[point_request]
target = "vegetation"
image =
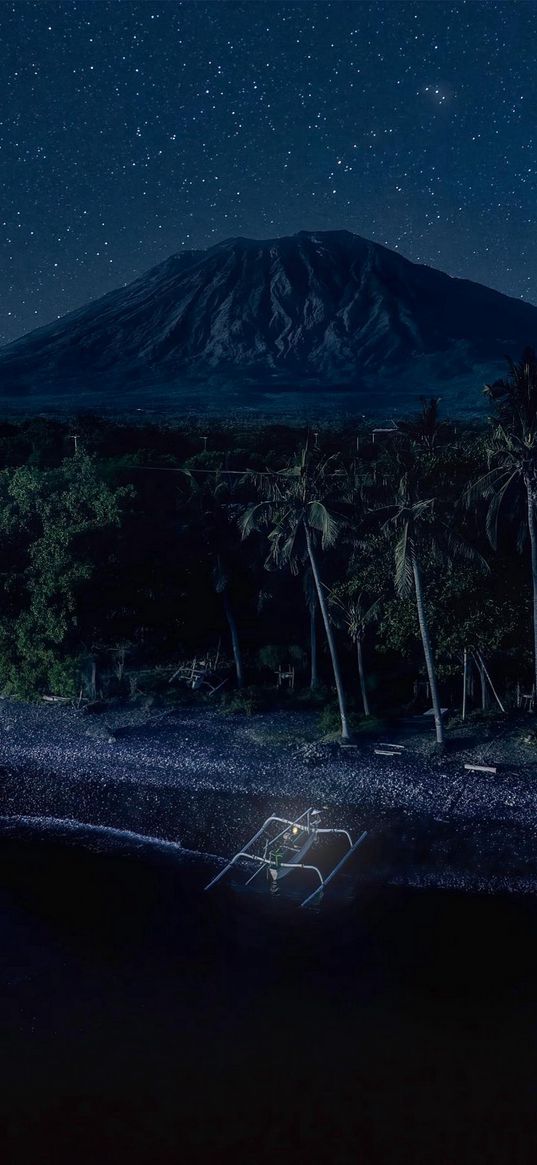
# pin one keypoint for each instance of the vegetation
(138, 549)
(295, 511)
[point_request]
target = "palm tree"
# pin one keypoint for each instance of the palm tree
(510, 484)
(406, 518)
(356, 613)
(221, 586)
(425, 429)
(294, 510)
(420, 527)
(210, 500)
(310, 595)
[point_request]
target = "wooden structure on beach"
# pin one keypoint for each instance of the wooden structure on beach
(285, 676)
(202, 672)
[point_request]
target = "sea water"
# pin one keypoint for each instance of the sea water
(146, 1021)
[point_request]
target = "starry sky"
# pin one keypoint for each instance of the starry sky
(131, 130)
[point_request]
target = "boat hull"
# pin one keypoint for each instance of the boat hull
(291, 858)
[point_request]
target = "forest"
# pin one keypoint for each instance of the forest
(362, 571)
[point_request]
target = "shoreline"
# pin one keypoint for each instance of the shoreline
(207, 780)
(110, 841)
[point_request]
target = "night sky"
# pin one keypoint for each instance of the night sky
(129, 131)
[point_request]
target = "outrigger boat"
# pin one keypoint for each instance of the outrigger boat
(283, 852)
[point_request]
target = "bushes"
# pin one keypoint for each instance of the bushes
(305, 698)
(28, 678)
(255, 699)
(245, 701)
(476, 716)
(84, 567)
(276, 655)
(330, 723)
(51, 520)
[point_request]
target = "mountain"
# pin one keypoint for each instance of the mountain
(319, 320)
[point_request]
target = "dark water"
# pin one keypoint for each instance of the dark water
(145, 1022)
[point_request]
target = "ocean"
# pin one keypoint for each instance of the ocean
(146, 1021)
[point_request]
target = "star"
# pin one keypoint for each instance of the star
(129, 132)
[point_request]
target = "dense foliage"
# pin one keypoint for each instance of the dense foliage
(343, 555)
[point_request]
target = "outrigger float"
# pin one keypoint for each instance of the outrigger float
(283, 852)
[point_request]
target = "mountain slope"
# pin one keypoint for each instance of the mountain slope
(314, 319)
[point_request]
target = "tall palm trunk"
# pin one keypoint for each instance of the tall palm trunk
(427, 648)
(345, 733)
(314, 674)
(235, 642)
(532, 527)
(483, 683)
(361, 673)
(93, 679)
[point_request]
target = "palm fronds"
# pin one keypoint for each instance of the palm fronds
(404, 552)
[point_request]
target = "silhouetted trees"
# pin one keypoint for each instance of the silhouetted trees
(154, 542)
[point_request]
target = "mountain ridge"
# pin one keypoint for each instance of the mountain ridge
(317, 319)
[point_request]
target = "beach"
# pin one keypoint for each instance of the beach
(206, 780)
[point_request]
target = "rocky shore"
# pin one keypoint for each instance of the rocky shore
(196, 776)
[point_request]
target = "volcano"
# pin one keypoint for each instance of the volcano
(323, 321)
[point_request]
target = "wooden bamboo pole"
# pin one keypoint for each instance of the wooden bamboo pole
(480, 657)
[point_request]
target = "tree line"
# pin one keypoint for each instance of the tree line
(376, 559)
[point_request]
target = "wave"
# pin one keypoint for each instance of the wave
(112, 839)
(126, 838)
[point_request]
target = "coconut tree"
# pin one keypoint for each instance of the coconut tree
(221, 585)
(310, 595)
(427, 427)
(212, 512)
(295, 511)
(407, 518)
(509, 486)
(356, 612)
(424, 527)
